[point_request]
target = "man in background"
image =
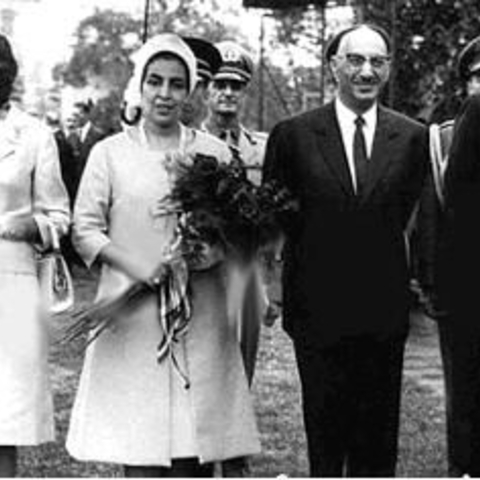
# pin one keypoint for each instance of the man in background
(81, 134)
(65, 152)
(195, 108)
(227, 95)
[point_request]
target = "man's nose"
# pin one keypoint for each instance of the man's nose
(367, 69)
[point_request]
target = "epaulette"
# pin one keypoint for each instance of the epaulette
(446, 124)
(254, 136)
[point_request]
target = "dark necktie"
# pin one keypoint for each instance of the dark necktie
(74, 141)
(360, 154)
(229, 136)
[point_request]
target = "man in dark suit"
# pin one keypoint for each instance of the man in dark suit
(82, 134)
(460, 331)
(74, 142)
(346, 274)
(447, 251)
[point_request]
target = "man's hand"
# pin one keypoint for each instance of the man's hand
(272, 314)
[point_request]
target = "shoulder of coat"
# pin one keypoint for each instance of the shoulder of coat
(255, 137)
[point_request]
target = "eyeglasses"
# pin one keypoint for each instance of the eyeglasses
(234, 85)
(357, 61)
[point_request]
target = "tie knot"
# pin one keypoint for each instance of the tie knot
(359, 121)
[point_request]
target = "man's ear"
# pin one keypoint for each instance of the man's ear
(333, 66)
(206, 92)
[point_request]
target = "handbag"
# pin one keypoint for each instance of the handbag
(56, 285)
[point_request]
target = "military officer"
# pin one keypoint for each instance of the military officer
(228, 92)
(195, 108)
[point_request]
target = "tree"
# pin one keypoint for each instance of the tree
(101, 61)
(428, 37)
(105, 40)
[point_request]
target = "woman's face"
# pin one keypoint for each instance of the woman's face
(164, 89)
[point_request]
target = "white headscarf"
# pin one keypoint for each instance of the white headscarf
(162, 43)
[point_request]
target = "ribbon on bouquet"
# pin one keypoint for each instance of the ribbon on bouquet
(174, 312)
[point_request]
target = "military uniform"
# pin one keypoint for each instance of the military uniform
(246, 145)
(226, 95)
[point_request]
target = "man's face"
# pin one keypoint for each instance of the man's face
(194, 109)
(76, 116)
(361, 68)
(473, 83)
(227, 96)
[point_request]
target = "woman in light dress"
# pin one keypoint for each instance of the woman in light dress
(33, 200)
(131, 409)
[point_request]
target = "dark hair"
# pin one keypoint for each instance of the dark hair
(8, 68)
(332, 47)
(166, 56)
(85, 105)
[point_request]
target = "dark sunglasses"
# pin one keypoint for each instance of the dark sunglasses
(234, 85)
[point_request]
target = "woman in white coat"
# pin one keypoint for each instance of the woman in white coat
(33, 199)
(130, 408)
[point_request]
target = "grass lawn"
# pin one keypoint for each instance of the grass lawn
(277, 399)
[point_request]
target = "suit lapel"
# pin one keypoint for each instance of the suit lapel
(329, 140)
(382, 150)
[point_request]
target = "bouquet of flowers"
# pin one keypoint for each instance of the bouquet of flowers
(217, 205)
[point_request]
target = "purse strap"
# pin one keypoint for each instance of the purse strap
(55, 237)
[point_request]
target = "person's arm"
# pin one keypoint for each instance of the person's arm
(20, 229)
(463, 170)
(129, 263)
(91, 221)
(50, 206)
(275, 168)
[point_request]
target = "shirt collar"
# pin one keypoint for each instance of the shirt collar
(83, 131)
(347, 116)
(233, 132)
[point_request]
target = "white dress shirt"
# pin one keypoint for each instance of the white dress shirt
(83, 131)
(346, 120)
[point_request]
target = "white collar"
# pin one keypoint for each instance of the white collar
(347, 116)
(182, 141)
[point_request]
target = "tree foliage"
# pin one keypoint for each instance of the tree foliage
(103, 44)
(105, 40)
(428, 37)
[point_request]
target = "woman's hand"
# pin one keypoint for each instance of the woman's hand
(132, 265)
(206, 256)
(20, 229)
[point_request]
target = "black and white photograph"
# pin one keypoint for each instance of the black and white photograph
(238, 239)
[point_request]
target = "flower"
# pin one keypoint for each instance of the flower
(222, 206)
